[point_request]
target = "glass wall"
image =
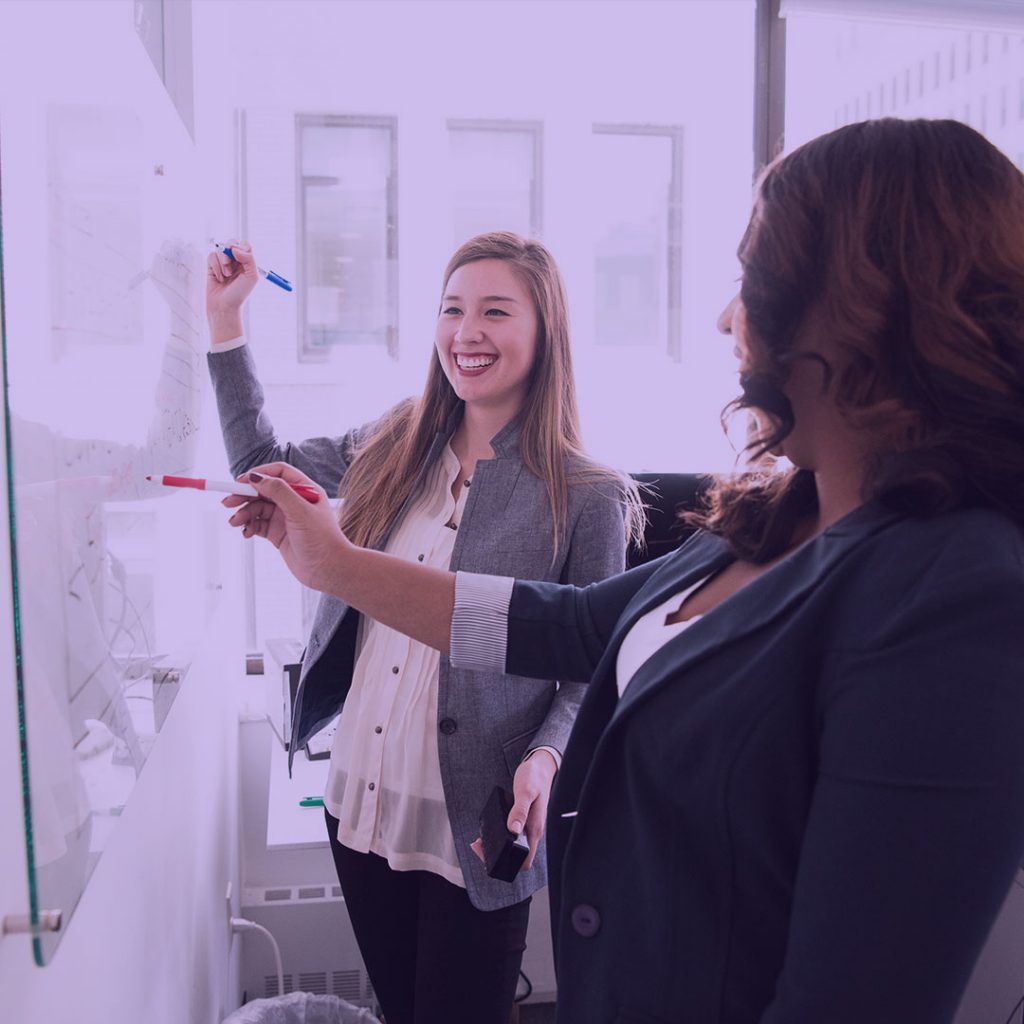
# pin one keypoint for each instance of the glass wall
(841, 69)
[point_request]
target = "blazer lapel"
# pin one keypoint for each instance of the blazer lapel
(755, 605)
(701, 555)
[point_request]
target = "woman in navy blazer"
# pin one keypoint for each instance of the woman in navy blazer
(794, 792)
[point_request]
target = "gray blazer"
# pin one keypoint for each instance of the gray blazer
(487, 721)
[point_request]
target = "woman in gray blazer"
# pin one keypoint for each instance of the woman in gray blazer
(484, 472)
(793, 793)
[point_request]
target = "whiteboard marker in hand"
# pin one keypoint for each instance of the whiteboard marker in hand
(311, 494)
(273, 278)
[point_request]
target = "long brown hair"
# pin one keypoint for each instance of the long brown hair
(386, 466)
(905, 239)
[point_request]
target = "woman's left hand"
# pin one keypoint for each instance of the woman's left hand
(531, 788)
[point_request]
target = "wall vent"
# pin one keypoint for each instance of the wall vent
(348, 984)
(270, 985)
(352, 986)
(318, 949)
(315, 983)
(254, 897)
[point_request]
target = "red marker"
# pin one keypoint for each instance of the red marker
(311, 494)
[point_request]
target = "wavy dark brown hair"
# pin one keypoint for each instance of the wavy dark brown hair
(905, 241)
(387, 464)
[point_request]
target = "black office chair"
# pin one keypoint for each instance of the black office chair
(669, 494)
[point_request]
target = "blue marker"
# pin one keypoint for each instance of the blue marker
(273, 278)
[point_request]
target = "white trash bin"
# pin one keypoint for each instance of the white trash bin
(301, 1008)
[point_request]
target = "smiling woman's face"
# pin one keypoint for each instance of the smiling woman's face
(486, 335)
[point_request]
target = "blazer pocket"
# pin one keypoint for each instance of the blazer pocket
(515, 748)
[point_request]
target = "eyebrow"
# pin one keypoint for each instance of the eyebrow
(486, 298)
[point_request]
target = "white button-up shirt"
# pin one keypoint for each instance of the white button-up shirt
(384, 783)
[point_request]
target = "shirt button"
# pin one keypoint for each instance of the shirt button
(466, 482)
(394, 670)
(378, 730)
(448, 726)
(419, 558)
(586, 921)
(371, 787)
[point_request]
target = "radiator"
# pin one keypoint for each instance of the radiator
(318, 949)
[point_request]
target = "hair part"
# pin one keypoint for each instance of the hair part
(386, 466)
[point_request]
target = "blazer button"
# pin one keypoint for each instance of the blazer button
(586, 921)
(448, 726)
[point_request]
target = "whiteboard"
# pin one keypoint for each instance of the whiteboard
(114, 578)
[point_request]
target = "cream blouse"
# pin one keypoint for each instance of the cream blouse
(384, 783)
(649, 634)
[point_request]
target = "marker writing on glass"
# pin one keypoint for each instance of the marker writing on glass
(281, 282)
(311, 494)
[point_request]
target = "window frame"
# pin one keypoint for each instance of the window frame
(308, 353)
(535, 129)
(674, 234)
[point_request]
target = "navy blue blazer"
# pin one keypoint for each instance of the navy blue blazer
(808, 807)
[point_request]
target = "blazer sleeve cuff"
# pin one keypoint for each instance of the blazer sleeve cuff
(556, 754)
(479, 636)
(227, 346)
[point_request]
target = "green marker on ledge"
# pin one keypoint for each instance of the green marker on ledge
(311, 801)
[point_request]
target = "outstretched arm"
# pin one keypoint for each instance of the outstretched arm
(549, 631)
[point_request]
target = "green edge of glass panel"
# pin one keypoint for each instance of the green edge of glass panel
(33, 893)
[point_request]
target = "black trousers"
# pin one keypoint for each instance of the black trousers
(432, 957)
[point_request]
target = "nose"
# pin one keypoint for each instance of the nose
(469, 330)
(726, 317)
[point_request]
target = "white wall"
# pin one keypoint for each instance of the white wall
(149, 939)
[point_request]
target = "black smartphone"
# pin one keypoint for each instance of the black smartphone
(504, 852)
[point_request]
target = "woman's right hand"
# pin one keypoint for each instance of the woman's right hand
(307, 534)
(229, 281)
(414, 599)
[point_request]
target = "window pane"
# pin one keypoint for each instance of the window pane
(835, 67)
(633, 208)
(493, 184)
(347, 230)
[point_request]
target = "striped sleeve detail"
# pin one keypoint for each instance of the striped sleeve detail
(479, 637)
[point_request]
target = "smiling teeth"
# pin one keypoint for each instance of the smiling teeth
(475, 363)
